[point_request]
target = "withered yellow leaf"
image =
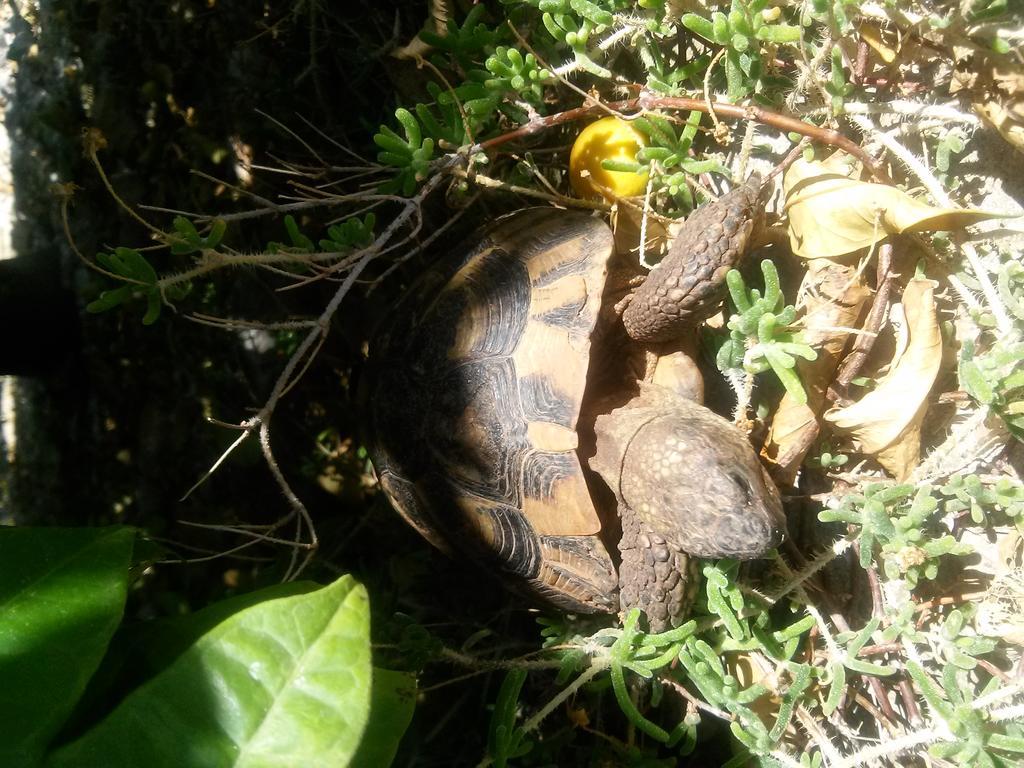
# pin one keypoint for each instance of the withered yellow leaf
(832, 215)
(793, 431)
(1006, 117)
(873, 36)
(832, 299)
(886, 423)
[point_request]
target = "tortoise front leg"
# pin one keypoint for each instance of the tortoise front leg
(689, 283)
(654, 575)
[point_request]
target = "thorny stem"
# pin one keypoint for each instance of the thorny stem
(785, 759)
(810, 723)
(65, 201)
(969, 441)
(93, 142)
(314, 335)
(305, 205)
(214, 261)
(812, 568)
(597, 665)
(645, 216)
(488, 182)
(1006, 692)
(421, 246)
(944, 112)
(490, 665)
(742, 384)
(995, 304)
(919, 738)
(610, 41)
(707, 91)
(745, 149)
(809, 73)
(237, 324)
(698, 703)
(261, 421)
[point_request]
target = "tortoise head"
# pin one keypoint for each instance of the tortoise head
(690, 475)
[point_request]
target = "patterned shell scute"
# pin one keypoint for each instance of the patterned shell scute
(476, 389)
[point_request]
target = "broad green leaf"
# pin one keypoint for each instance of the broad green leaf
(283, 683)
(140, 651)
(62, 592)
(391, 706)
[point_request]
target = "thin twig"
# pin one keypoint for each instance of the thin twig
(995, 304)
(597, 665)
(862, 347)
(647, 102)
(698, 703)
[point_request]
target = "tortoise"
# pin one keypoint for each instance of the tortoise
(513, 420)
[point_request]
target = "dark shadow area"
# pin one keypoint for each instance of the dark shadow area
(110, 414)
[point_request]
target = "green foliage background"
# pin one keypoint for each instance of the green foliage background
(114, 433)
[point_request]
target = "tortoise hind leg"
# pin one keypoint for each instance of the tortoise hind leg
(577, 574)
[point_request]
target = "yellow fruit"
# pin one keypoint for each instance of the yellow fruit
(608, 139)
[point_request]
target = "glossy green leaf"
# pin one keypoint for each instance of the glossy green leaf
(392, 703)
(62, 592)
(285, 682)
(140, 651)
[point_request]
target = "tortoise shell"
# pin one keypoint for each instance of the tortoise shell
(475, 391)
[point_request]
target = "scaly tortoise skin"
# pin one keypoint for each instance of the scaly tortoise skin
(484, 409)
(687, 286)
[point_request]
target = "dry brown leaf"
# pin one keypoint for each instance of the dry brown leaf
(793, 432)
(1005, 117)
(831, 214)
(886, 423)
(627, 221)
(884, 43)
(832, 300)
(995, 88)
